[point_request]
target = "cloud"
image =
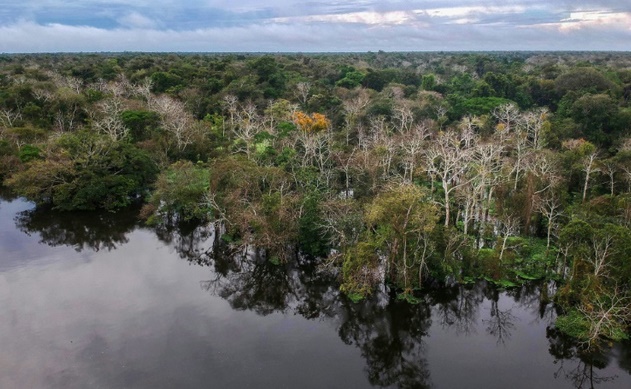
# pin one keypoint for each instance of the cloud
(369, 18)
(326, 25)
(589, 19)
(593, 22)
(136, 20)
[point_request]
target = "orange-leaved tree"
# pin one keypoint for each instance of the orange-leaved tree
(316, 122)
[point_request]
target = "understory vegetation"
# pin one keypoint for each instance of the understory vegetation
(397, 169)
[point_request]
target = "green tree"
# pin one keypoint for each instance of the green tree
(86, 171)
(400, 221)
(180, 193)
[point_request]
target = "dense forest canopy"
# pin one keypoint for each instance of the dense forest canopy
(398, 169)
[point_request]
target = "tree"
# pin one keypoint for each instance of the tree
(86, 171)
(180, 194)
(448, 162)
(399, 222)
(550, 208)
(178, 123)
(587, 155)
(302, 91)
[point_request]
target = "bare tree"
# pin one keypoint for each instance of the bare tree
(248, 124)
(108, 119)
(412, 144)
(448, 162)
(534, 123)
(175, 120)
(589, 167)
(9, 116)
(510, 227)
(507, 116)
(230, 104)
(610, 168)
(353, 108)
(302, 91)
(602, 248)
(606, 315)
(550, 208)
(403, 116)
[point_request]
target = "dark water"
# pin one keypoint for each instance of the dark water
(94, 301)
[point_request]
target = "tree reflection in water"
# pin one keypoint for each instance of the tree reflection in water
(389, 335)
(500, 323)
(576, 365)
(457, 308)
(94, 230)
(388, 332)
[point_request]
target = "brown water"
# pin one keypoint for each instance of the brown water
(95, 301)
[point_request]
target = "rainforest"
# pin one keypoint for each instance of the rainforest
(404, 172)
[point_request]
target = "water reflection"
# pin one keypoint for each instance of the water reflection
(81, 230)
(457, 308)
(581, 368)
(396, 340)
(391, 340)
(389, 333)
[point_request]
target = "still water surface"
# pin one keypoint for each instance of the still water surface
(95, 301)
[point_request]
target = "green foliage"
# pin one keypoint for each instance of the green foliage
(257, 203)
(291, 194)
(428, 82)
(29, 153)
(378, 79)
(355, 297)
(163, 82)
(86, 172)
(591, 324)
(140, 123)
(180, 193)
(409, 298)
(573, 324)
(584, 79)
(312, 239)
(400, 223)
(475, 105)
(360, 270)
(351, 79)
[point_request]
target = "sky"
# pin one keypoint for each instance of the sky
(313, 26)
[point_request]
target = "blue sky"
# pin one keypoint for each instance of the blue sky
(288, 25)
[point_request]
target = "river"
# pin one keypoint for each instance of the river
(97, 301)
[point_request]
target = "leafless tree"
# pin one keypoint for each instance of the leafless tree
(509, 227)
(175, 120)
(108, 119)
(507, 116)
(589, 167)
(302, 92)
(9, 116)
(605, 315)
(602, 248)
(448, 162)
(610, 168)
(403, 116)
(412, 144)
(550, 208)
(533, 122)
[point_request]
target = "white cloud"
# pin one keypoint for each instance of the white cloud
(324, 25)
(593, 20)
(459, 12)
(32, 37)
(370, 18)
(136, 20)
